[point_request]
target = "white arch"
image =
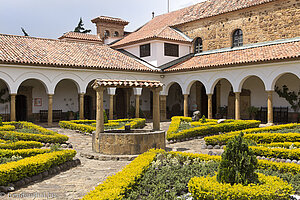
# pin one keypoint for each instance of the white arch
(238, 85)
(216, 78)
(274, 79)
(93, 77)
(167, 86)
(189, 86)
(68, 76)
(32, 75)
(8, 81)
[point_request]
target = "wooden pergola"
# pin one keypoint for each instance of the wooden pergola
(101, 84)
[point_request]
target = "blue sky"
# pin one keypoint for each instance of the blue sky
(52, 18)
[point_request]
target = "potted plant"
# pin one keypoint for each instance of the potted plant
(252, 111)
(292, 98)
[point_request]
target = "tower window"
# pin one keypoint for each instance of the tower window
(116, 34)
(171, 50)
(198, 47)
(237, 38)
(106, 33)
(145, 50)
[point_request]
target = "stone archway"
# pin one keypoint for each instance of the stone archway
(174, 101)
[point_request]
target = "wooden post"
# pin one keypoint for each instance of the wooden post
(99, 119)
(137, 106)
(81, 106)
(209, 106)
(13, 107)
(111, 106)
(50, 108)
(237, 105)
(270, 107)
(163, 107)
(156, 110)
(185, 105)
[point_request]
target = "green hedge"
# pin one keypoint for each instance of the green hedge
(81, 124)
(286, 145)
(277, 152)
(32, 126)
(115, 187)
(273, 137)
(212, 129)
(22, 152)
(21, 145)
(55, 138)
(223, 138)
(270, 188)
(27, 167)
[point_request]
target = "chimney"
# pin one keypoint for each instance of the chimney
(153, 15)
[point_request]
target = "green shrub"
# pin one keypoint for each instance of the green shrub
(270, 188)
(21, 145)
(210, 129)
(4, 160)
(1, 122)
(277, 152)
(27, 167)
(22, 152)
(261, 138)
(223, 138)
(238, 163)
(105, 117)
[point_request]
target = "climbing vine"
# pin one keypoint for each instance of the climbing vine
(290, 96)
(2, 93)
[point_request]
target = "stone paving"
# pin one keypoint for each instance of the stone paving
(76, 182)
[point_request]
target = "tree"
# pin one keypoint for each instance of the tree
(238, 163)
(80, 28)
(24, 32)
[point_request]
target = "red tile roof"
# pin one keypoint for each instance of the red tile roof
(198, 11)
(80, 37)
(49, 52)
(110, 19)
(290, 50)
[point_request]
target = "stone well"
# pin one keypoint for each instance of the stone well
(131, 142)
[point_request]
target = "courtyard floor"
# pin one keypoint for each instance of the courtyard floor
(77, 182)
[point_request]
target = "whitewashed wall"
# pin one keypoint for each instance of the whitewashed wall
(157, 57)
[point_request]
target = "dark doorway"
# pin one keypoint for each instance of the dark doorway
(88, 107)
(204, 102)
(120, 103)
(21, 108)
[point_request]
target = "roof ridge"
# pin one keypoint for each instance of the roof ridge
(49, 39)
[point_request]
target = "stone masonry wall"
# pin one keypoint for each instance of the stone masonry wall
(267, 22)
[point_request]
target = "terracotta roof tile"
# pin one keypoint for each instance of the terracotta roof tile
(110, 19)
(49, 52)
(237, 57)
(80, 36)
(198, 11)
(126, 83)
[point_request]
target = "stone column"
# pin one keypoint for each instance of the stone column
(50, 109)
(270, 107)
(137, 93)
(237, 105)
(156, 110)
(137, 106)
(99, 119)
(218, 97)
(111, 107)
(209, 106)
(81, 106)
(185, 105)
(111, 92)
(163, 107)
(13, 107)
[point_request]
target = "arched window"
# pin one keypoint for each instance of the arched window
(116, 34)
(237, 38)
(106, 33)
(198, 47)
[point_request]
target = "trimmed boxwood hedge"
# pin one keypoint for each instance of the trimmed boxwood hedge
(21, 145)
(277, 152)
(22, 152)
(270, 188)
(27, 167)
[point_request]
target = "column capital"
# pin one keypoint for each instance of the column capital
(159, 89)
(111, 91)
(82, 93)
(13, 94)
(237, 93)
(99, 88)
(50, 95)
(137, 91)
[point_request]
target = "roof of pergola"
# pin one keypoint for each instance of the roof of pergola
(126, 83)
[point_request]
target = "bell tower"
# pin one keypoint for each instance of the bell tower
(110, 29)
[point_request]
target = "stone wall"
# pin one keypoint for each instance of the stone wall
(267, 22)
